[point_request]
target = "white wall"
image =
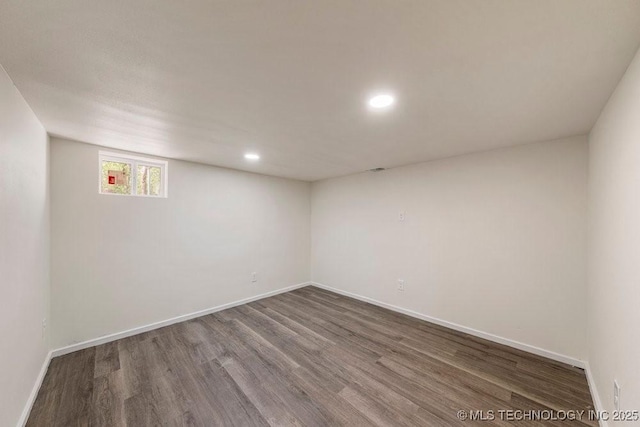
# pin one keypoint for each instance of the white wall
(24, 250)
(121, 262)
(614, 245)
(493, 241)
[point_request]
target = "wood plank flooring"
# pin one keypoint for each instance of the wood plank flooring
(304, 358)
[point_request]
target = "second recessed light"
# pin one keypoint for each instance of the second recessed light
(381, 101)
(252, 156)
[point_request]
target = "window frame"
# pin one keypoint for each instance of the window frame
(110, 156)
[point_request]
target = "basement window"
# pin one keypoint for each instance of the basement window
(126, 175)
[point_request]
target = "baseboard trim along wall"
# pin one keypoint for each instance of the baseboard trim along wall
(594, 394)
(34, 392)
(135, 331)
(495, 338)
(118, 335)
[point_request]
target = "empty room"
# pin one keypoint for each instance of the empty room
(319, 213)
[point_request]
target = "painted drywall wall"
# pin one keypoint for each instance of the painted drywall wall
(614, 245)
(120, 262)
(24, 250)
(493, 241)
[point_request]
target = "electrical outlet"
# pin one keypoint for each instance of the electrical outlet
(44, 327)
(401, 285)
(401, 216)
(254, 277)
(616, 395)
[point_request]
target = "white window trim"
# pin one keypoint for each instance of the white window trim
(110, 156)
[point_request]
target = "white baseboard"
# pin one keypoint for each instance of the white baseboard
(495, 338)
(34, 392)
(116, 336)
(597, 403)
(112, 337)
(130, 332)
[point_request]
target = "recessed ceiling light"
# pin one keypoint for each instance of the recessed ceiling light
(380, 101)
(252, 156)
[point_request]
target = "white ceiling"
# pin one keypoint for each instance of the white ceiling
(209, 80)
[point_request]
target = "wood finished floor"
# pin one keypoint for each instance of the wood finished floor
(307, 357)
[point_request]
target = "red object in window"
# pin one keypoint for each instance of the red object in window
(112, 180)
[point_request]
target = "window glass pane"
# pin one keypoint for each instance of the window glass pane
(116, 177)
(148, 180)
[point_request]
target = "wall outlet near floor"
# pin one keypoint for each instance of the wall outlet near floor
(401, 216)
(616, 395)
(254, 277)
(401, 285)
